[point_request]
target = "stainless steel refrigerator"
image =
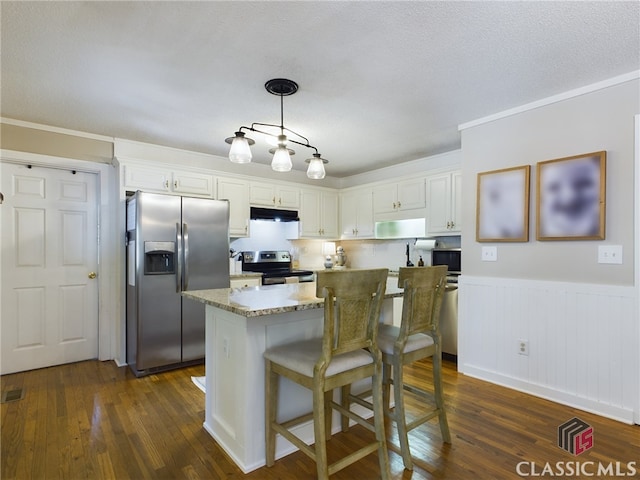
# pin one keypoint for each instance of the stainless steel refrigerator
(173, 244)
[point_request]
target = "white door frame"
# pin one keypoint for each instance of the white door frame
(636, 252)
(109, 281)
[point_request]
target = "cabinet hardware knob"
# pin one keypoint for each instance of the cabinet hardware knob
(92, 275)
(273, 200)
(166, 184)
(399, 205)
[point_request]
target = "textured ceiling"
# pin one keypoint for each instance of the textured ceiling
(380, 82)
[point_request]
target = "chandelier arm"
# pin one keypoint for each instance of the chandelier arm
(253, 129)
(297, 134)
(281, 128)
(304, 145)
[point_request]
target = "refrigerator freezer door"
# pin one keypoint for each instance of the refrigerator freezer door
(205, 228)
(158, 306)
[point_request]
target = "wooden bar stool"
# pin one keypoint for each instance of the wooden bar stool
(347, 352)
(417, 337)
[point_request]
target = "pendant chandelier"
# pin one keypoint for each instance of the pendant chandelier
(240, 151)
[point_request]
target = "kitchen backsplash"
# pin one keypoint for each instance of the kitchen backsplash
(268, 235)
(368, 253)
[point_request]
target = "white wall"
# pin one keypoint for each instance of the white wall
(579, 317)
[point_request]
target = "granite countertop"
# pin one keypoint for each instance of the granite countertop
(270, 299)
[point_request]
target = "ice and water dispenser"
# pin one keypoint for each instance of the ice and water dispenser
(159, 258)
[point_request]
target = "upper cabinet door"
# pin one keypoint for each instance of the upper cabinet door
(310, 222)
(237, 192)
(319, 214)
(288, 197)
(147, 179)
(411, 194)
(275, 196)
(193, 184)
(444, 212)
(385, 198)
(356, 214)
(329, 214)
(262, 194)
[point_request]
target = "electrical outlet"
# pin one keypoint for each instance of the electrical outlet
(489, 254)
(523, 347)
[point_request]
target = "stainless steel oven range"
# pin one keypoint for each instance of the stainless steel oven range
(275, 266)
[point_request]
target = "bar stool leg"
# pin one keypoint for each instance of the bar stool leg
(271, 407)
(345, 401)
(437, 390)
(400, 415)
(378, 419)
(386, 389)
(320, 429)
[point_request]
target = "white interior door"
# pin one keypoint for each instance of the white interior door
(49, 264)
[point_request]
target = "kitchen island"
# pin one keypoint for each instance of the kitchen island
(240, 325)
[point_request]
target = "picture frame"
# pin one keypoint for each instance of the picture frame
(502, 207)
(570, 195)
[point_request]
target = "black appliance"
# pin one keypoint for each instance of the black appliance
(452, 258)
(274, 215)
(275, 266)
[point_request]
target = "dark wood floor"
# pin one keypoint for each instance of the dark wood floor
(96, 421)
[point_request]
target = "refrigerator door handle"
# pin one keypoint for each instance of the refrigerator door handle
(185, 239)
(179, 258)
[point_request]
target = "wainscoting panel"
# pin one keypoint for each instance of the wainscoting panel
(581, 341)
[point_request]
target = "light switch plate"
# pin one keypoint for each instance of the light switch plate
(489, 254)
(610, 254)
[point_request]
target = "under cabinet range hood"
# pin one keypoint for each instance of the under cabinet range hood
(274, 214)
(409, 228)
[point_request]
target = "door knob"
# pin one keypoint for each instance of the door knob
(93, 275)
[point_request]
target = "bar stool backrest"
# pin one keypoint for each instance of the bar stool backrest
(352, 303)
(423, 292)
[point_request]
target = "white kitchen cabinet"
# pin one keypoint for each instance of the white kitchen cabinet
(275, 196)
(318, 214)
(392, 198)
(193, 184)
(146, 179)
(443, 200)
(237, 192)
(165, 180)
(356, 214)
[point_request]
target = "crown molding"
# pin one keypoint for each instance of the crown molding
(49, 128)
(553, 99)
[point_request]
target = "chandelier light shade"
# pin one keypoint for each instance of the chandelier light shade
(281, 160)
(316, 167)
(240, 151)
